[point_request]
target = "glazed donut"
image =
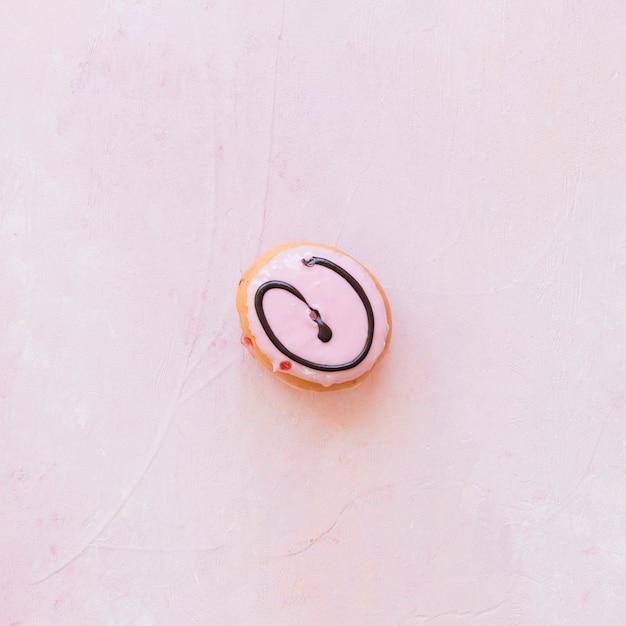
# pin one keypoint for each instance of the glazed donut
(313, 316)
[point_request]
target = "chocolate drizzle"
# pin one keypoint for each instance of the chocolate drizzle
(324, 333)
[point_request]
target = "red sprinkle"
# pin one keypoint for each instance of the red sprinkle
(285, 365)
(246, 341)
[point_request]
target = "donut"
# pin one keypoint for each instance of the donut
(314, 316)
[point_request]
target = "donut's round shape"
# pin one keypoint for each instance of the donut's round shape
(314, 316)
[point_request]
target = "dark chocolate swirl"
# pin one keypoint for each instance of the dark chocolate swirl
(324, 333)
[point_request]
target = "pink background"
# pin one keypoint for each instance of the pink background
(471, 154)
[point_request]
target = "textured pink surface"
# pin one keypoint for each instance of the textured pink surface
(472, 154)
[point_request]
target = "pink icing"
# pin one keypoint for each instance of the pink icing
(338, 304)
